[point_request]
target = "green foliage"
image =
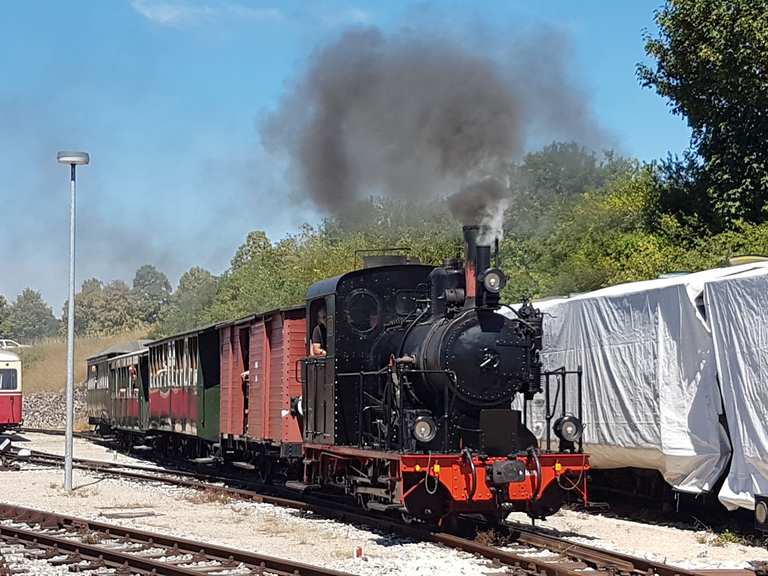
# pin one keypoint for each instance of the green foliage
(30, 318)
(547, 182)
(266, 275)
(190, 303)
(104, 309)
(711, 63)
(151, 293)
(5, 312)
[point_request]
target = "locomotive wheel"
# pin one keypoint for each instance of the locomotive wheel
(458, 525)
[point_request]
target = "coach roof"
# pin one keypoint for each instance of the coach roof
(119, 349)
(6, 356)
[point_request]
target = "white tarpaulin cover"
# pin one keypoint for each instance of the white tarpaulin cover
(651, 398)
(737, 309)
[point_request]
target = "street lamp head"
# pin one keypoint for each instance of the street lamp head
(78, 158)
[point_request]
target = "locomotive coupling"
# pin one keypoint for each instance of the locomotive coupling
(507, 471)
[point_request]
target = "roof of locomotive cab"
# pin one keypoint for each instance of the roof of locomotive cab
(329, 285)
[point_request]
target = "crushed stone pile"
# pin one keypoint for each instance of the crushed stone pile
(48, 409)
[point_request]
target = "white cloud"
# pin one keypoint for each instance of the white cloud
(355, 16)
(350, 16)
(180, 13)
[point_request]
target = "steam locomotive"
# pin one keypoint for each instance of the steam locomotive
(409, 410)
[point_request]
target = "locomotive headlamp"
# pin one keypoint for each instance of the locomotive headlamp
(568, 428)
(494, 280)
(424, 429)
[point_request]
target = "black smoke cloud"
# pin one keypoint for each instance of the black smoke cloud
(417, 115)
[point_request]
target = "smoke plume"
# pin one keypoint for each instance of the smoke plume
(421, 116)
(483, 202)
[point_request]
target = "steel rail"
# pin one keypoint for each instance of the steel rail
(565, 558)
(95, 542)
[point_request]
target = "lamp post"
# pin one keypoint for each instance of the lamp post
(74, 159)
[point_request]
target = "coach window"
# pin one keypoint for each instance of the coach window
(7, 378)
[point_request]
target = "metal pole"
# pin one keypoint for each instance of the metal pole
(68, 442)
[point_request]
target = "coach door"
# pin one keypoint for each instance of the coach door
(318, 378)
(143, 391)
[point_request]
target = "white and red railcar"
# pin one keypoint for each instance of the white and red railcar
(10, 390)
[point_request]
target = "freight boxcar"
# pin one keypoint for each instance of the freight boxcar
(259, 377)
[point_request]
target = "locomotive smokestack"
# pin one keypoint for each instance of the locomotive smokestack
(477, 259)
(470, 262)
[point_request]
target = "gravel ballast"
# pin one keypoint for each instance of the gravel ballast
(292, 534)
(48, 409)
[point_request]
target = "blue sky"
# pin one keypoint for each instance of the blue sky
(167, 96)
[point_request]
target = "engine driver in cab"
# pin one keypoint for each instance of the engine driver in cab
(319, 346)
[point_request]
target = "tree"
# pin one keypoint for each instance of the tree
(30, 317)
(546, 182)
(5, 312)
(88, 304)
(103, 309)
(191, 302)
(265, 275)
(711, 63)
(151, 292)
(118, 312)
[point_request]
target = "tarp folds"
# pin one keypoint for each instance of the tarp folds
(652, 353)
(650, 392)
(737, 309)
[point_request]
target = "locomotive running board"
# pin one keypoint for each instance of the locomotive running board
(244, 465)
(300, 486)
(141, 447)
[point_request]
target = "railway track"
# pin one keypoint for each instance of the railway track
(522, 549)
(96, 547)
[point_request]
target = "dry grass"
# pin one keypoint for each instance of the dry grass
(45, 364)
